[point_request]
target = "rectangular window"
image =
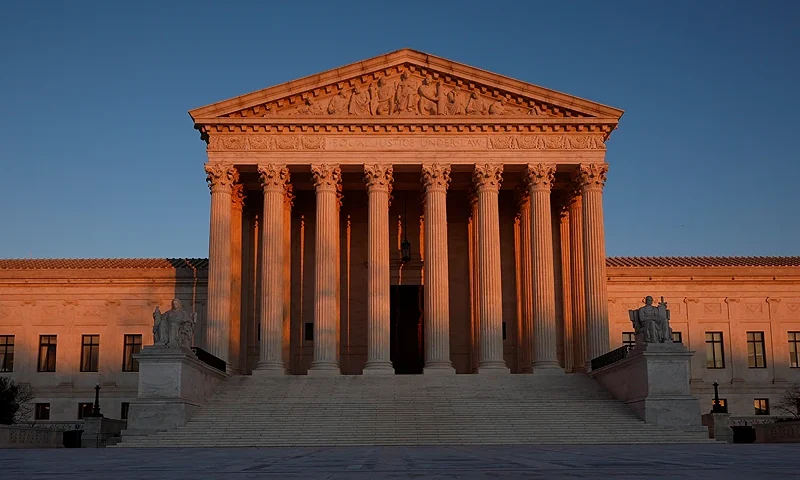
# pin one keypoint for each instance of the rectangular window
(762, 406)
(755, 350)
(794, 349)
(47, 353)
(309, 332)
(504, 330)
(41, 411)
(90, 353)
(629, 339)
(84, 410)
(677, 337)
(133, 344)
(123, 414)
(723, 403)
(6, 353)
(715, 352)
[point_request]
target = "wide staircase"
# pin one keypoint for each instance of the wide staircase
(252, 411)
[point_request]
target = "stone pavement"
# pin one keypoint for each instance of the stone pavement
(709, 461)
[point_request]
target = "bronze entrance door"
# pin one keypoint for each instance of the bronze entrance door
(407, 336)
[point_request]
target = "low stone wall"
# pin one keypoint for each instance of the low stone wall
(99, 432)
(23, 436)
(778, 432)
(653, 380)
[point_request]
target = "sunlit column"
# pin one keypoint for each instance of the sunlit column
(525, 342)
(435, 180)
(486, 179)
(378, 178)
(592, 178)
(220, 178)
(577, 275)
(540, 183)
(274, 182)
(327, 178)
(566, 285)
(234, 335)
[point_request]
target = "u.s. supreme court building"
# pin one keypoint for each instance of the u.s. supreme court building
(404, 214)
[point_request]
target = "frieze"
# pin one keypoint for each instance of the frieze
(345, 143)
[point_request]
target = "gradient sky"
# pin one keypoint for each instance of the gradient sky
(100, 159)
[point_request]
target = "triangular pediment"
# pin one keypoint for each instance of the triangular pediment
(405, 83)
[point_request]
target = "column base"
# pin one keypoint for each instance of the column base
(324, 369)
(494, 367)
(276, 369)
(547, 368)
(443, 368)
(380, 367)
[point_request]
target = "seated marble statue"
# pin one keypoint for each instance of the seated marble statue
(651, 323)
(175, 327)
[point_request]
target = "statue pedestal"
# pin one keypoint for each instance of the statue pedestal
(173, 384)
(653, 380)
(719, 426)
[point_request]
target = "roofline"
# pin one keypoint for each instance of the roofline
(294, 87)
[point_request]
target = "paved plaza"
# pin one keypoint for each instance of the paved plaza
(362, 463)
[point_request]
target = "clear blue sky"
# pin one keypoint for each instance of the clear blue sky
(99, 157)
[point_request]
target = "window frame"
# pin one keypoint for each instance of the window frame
(723, 403)
(84, 407)
(43, 365)
(124, 410)
(630, 341)
(94, 353)
(756, 344)
(712, 345)
(7, 343)
(308, 332)
(679, 335)
(129, 349)
(794, 344)
(44, 406)
(765, 410)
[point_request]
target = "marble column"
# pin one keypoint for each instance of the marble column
(486, 178)
(435, 180)
(566, 285)
(540, 179)
(378, 178)
(220, 178)
(525, 342)
(287, 275)
(327, 178)
(274, 181)
(234, 336)
(475, 330)
(581, 362)
(592, 177)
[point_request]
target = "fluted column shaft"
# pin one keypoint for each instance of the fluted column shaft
(327, 180)
(379, 184)
(545, 357)
(234, 336)
(525, 343)
(577, 275)
(487, 178)
(220, 178)
(566, 289)
(475, 279)
(274, 181)
(435, 180)
(592, 177)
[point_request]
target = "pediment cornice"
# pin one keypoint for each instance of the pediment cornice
(406, 90)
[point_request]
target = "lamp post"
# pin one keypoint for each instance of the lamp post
(717, 408)
(96, 407)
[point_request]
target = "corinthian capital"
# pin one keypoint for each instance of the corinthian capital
(274, 177)
(237, 196)
(487, 176)
(378, 177)
(327, 176)
(540, 176)
(435, 176)
(591, 176)
(221, 176)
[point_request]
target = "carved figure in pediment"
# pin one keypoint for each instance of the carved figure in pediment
(359, 102)
(310, 107)
(429, 97)
(498, 107)
(454, 103)
(382, 93)
(406, 94)
(338, 104)
(475, 105)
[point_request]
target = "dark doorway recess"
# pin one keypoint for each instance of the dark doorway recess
(408, 340)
